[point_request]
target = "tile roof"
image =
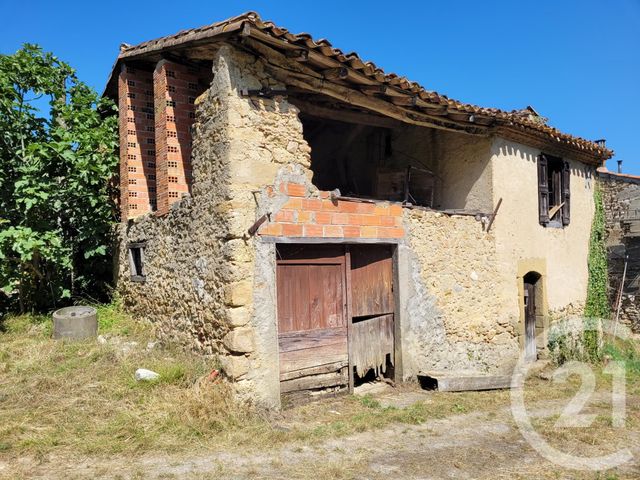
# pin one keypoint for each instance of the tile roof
(519, 124)
(604, 172)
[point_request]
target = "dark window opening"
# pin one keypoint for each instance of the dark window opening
(553, 191)
(136, 262)
(364, 161)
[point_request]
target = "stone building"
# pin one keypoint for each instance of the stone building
(621, 198)
(313, 221)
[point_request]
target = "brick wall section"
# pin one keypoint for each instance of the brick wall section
(137, 152)
(175, 90)
(322, 217)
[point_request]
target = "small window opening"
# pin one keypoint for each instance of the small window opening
(554, 180)
(136, 262)
(554, 192)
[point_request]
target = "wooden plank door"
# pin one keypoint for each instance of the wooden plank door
(312, 322)
(530, 352)
(371, 308)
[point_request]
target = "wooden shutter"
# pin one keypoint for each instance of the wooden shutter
(543, 190)
(566, 193)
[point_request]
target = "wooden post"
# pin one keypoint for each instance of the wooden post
(493, 215)
(347, 266)
(398, 372)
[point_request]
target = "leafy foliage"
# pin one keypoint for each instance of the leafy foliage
(58, 144)
(597, 306)
(597, 301)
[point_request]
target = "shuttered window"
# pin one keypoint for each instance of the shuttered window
(554, 193)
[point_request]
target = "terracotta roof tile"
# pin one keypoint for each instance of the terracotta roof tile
(514, 120)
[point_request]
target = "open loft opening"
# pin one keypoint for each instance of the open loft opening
(366, 155)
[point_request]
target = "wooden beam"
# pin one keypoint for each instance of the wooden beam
(404, 101)
(298, 55)
(375, 90)
(359, 99)
(450, 383)
(268, 54)
(340, 73)
(295, 74)
(347, 116)
(314, 57)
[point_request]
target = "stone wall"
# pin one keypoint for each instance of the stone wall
(183, 294)
(454, 320)
(203, 271)
(621, 198)
(211, 286)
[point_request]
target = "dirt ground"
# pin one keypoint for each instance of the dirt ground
(474, 445)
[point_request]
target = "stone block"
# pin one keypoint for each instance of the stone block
(239, 340)
(237, 250)
(237, 317)
(238, 294)
(235, 366)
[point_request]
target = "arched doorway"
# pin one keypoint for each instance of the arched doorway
(532, 303)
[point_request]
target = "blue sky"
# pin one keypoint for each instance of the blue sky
(576, 62)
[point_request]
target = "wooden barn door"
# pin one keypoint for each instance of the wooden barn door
(312, 320)
(335, 314)
(372, 309)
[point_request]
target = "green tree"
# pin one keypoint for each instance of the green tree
(58, 143)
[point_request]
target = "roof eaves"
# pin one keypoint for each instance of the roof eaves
(364, 72)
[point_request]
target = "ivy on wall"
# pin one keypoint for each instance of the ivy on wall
(597, 305)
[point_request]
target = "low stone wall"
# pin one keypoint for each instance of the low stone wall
(454, 320)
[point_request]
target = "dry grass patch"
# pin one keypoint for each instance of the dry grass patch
(82, 397)
(59, 399)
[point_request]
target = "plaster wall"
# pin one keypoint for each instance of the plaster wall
(522, 244)
(465, 170)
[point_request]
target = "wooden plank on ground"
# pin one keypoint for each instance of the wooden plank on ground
(450, 383)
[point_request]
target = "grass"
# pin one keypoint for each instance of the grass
(81, 398)
(83, 395)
